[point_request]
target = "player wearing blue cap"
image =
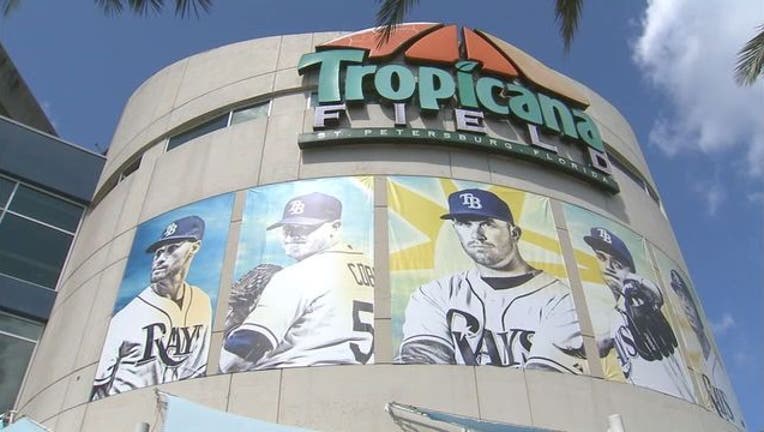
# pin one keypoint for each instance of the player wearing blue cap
(644, 343)
(503, 312)
(318, 311)
(163, 334)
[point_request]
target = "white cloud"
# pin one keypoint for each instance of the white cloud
(722, 326)
(712, 193)
(688, 50)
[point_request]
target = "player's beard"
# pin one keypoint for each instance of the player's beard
(486, 254)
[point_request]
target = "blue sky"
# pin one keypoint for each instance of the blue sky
(665, 64)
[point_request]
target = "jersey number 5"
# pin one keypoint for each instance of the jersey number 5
(360, 326)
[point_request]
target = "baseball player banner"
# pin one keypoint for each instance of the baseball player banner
(304, 277)
(477, 278)
(162, 320)
(632, 321)
(715, 390)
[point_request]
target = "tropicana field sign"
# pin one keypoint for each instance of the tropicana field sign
(488, 79)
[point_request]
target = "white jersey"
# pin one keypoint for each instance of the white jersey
(668, 375)
(533, 324)
(153, 340)
(319, 311)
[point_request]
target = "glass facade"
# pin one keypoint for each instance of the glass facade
(18, 338)
(36, 230)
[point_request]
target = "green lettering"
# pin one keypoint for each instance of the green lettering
(466, 88)
(390, 76)
(354, 81)
(430, 92)
(588, 131)
(555, 112)
(329, 73)
(524, 105)
(486, 87)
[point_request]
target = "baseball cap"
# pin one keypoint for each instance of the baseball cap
(604, 240)
(188, 228)
(477, 203)
(312, 209)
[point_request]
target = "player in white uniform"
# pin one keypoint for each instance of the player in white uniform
(503, 312)
(163, 334)
(715, 388)
(318, 311)
(661, 369)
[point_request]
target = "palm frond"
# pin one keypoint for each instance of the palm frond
(8, 6)
(750, 60)
(183, 8)
(390, 14)
(568, 14)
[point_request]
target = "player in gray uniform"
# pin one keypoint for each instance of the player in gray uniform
(503, 312)
(716, 389)
(163, 334)
(318, 311)
(647, 354)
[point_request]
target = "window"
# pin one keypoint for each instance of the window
(6, 187)
(133, 167)
(250, 113)
(210, 126)
(36, 230)
(18, 338)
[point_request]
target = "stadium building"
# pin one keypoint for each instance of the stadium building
(319, 231)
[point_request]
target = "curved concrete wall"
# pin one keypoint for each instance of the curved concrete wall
(263, 151)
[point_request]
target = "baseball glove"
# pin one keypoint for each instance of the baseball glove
(245, 294)
(653, 336)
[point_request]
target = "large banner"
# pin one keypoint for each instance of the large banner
(715, 388)
(304, 277)
(632, 321)
(477, 278)
(162, 320)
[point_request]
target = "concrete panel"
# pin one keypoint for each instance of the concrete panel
(120, 247)
(143, 141)
(292, 48)
(375, 159)
(383, 343)
(176, 180)
(290, 80)
(319, 38)
(46, 403)
(226, 65)
(213, 361)
(538, 179)
(234, 158)
(226, 277)
(211, 391)
(97, 228)
(513, 406)
(255, 394)
(346, 394)
(470, 166)
(154, 98)
(89, 350)
(57, 351)
(79, 388)
(281, 156)
(562, 402)
(69, 420)
(75, 276)
(121, 412)
(288, 104)
(138, 184)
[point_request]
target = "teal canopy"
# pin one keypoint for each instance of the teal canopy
(184, 416)
(412, 416)
(23, 425)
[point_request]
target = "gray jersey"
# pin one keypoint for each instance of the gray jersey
(461, 316)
